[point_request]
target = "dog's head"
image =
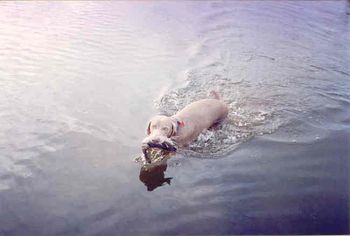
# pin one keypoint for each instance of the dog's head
(161, 128)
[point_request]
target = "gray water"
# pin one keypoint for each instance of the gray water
(79, 81)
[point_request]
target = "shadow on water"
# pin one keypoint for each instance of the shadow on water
(153, 175)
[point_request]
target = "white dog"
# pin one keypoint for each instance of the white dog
(185, 126)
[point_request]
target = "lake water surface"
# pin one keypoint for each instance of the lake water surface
(79, 81)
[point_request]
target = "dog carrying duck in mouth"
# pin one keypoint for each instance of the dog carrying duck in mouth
(171, 132)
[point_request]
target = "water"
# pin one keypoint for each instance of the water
(79, 81)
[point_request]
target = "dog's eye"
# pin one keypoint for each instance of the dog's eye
(165, 129)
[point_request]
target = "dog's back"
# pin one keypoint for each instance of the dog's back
(205, 109)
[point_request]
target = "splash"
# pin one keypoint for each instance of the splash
(250, 114)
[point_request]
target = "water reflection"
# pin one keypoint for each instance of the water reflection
(153, 175)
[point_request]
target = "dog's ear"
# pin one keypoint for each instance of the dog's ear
(173, 129)
(148, 130)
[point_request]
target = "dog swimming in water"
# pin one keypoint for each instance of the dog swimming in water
(181, 129)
